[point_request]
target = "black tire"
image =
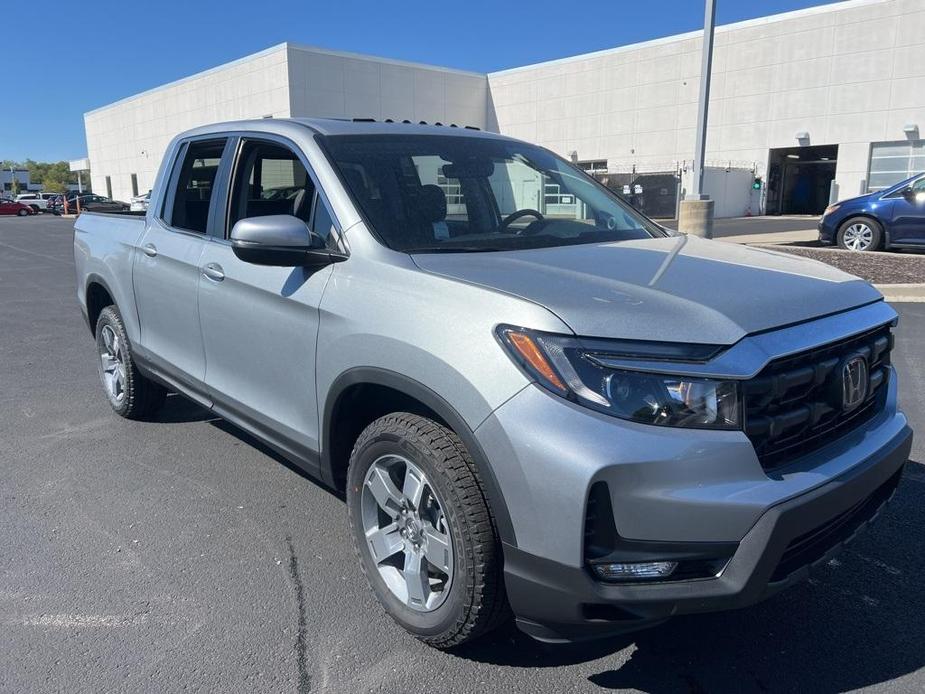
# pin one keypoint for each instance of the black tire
(476, 601)
(876, 234)
(141, 397)
(22, 213)
(35, 209)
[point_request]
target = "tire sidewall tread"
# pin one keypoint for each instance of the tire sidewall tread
(143, 397)
(876, 228)
(477, 600)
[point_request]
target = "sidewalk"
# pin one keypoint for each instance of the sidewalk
(888, 271)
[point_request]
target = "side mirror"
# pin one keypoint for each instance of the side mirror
(280, 240)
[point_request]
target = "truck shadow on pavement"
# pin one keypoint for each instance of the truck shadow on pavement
(857, 622)
(179, 410)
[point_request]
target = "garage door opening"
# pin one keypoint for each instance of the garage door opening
(799, 179)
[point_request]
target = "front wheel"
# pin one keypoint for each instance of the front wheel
(131, 395)
(422, 529)
(860, 234)
(22, 213)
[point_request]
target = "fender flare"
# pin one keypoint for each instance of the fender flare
(94, 278)
(433, 401)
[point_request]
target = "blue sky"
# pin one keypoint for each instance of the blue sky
(104, 51)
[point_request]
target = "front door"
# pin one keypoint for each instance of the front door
(260, 323)
(167, 261)
(908, 215)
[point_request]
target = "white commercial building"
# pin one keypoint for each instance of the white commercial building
(835, 92)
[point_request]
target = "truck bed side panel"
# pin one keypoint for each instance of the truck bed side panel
(104, 247)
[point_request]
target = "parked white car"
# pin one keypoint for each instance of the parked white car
(37, 201)
(139, 203)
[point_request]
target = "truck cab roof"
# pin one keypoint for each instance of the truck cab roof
(343, 126)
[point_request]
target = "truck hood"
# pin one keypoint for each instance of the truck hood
(676, 289)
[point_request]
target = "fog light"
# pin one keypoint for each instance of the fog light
(643, 570)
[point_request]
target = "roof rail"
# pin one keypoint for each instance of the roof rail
(421, 122)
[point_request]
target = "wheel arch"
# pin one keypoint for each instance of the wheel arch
(98, 296)
(389, 391)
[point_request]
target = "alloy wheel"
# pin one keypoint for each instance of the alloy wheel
(112, 364)
(407, 533)
(858, 237)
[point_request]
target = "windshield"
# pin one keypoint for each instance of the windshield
(435, 193)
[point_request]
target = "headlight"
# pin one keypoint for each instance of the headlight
(830, 209)
(577, 371)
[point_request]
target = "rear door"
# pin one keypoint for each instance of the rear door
(166, 271)
(908, 213)
(259, 323)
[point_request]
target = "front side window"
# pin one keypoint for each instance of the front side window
(433, 193)
(194, 185)
(269, 178)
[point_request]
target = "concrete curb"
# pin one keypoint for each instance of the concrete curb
(774, 238)
(902, 293)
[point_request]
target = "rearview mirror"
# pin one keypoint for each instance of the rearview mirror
(470, 168)
(280, 240)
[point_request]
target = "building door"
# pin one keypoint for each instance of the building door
(800, 179)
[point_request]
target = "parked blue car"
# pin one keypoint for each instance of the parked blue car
(891, 218)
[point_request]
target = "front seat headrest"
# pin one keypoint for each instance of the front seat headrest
(432, 203)
(302, 205)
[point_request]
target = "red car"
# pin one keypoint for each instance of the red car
(13, 207)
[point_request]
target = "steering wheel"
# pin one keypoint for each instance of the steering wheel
(514, 216)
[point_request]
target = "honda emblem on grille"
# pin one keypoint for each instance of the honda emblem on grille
(854, 383)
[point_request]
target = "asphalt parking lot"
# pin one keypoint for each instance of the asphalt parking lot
(181, 554)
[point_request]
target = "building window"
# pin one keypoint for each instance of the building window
(892, 162)
(595, 166)
(109, 187)
(134, 185)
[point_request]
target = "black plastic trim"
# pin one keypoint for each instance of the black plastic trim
(433, 401)
(94, 278)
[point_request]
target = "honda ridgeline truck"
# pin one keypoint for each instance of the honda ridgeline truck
(536, 400)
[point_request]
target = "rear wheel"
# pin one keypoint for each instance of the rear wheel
(131, 395)
(423, 531)
(860, 234)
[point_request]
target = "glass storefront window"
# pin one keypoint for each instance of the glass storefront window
(892, 162)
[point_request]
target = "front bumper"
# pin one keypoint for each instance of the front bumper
(827, 231)
(554, 602)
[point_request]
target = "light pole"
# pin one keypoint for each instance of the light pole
(696, 216)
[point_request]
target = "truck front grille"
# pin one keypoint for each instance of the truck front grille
(794, 406)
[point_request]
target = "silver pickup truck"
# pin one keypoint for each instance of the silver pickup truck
(536, 401)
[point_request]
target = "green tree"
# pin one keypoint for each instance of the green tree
(55, 182)
(55, 177)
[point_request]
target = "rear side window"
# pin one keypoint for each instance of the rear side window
(269, 178)
(194, 185)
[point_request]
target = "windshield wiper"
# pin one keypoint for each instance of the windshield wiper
(455, 249)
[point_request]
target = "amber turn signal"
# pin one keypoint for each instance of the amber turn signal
(525, 347)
